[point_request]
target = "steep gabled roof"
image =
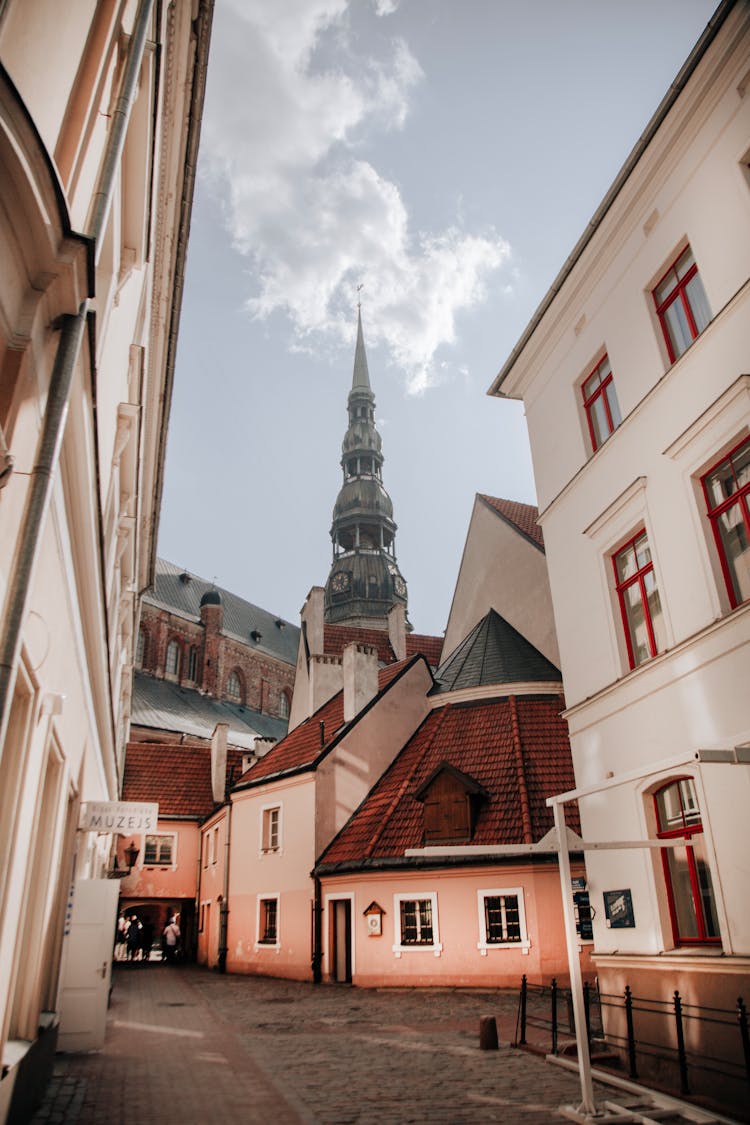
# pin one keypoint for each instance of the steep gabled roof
(522, 517)
(493, 653)
(517, 749)
(177, 776)
(337, 637)
(177, 590)
(305, 746)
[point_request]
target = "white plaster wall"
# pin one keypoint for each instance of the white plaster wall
(501, 570)
(691, 185)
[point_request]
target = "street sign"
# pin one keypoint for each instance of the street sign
(118, 816)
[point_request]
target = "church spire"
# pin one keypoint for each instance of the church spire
(364, 582)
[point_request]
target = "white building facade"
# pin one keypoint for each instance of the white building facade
(100, 105)
(635, 375)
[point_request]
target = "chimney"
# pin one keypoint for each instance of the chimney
(312, 617)
(219, 762)
(397, 630)
(262, 746)
(360, 678)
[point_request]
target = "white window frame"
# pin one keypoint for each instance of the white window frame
(159, 835)
(264, 811)
(398, 948)
(261, 898)
(485, 946)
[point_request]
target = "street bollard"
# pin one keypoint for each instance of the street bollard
(488, 1033)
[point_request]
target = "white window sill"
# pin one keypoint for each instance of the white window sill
(435, 949)
(487, 947)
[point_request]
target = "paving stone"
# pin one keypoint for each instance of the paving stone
(186, 1045)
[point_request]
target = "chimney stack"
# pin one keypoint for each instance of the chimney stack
(219, 762)
(360, 678)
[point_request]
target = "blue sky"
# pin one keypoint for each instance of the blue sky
(446, 155)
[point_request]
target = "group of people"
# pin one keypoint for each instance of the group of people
(134, 939)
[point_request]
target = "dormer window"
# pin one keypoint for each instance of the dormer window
(452, 801)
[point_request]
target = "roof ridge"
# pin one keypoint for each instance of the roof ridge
(523, 791)
(400, 792)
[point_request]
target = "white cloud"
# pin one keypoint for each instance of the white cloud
(289, 105)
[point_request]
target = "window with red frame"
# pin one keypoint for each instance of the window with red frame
(689, 889)
(727, 491)
(681, 304)
(600, 403)
(639, 600)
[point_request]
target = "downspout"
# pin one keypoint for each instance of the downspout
(224, 911)
(317, 957)
(61, 380)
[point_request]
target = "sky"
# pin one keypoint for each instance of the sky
(445, 155)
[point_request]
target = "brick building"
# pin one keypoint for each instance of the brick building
(211, 641)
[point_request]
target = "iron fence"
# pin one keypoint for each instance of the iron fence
(687, 1039)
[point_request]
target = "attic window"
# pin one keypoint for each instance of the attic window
(185, 578)
(279, 623)
(452, 801)
(255, 635)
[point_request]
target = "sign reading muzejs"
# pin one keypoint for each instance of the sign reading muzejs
(118, 816)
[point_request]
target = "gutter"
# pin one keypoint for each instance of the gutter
(224, 910)
(685, 74)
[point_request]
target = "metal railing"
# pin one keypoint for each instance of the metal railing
(687, 1038)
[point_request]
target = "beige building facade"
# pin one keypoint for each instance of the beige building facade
(100, 106)
(634, 376)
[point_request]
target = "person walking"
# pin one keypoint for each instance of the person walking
(171, 939)
(134, 937)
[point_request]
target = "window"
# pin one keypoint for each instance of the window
(172, 665)
(689, 888)
(681, 304)
(271, 829)
(639, 600)
(141, 648)
(452, 802)
(416, 923)
(159, 851)
(283, 705)
(727, 491)
(268, 921)
(234, 687)
(502, 920)
(600, 403)
(193, 663)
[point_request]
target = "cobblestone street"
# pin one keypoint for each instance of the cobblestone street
(185, 1045)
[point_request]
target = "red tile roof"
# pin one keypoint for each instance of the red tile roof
(519, 764)
(523, 517)
(304, 746)
(430, 647)
(177, 776)
(337, 637)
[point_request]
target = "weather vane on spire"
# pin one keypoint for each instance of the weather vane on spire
(359, 302)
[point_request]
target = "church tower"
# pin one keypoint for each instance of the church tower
(364, 582)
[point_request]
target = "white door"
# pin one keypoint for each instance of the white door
(87, 965)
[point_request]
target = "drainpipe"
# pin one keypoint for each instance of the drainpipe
(61, 380)
(317, 957)
(224, 911)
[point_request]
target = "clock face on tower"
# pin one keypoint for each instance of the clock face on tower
(340, 582)
(399, 586)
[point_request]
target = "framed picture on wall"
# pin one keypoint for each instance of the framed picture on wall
(618, 909)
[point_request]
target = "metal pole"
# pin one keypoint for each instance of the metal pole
(632, 1068)
(524, 991)
(681, 1053)
(742, 1018)
(553, 995)
(588, 1105)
